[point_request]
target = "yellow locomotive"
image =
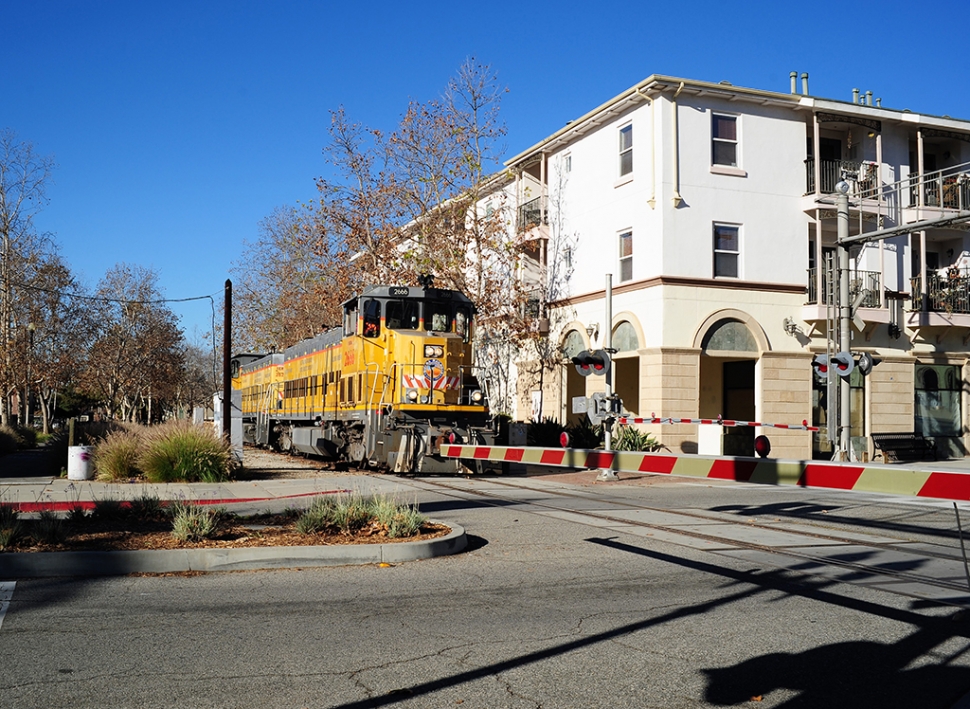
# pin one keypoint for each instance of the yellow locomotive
(386, 389)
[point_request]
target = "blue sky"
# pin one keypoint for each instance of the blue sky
(177, 126)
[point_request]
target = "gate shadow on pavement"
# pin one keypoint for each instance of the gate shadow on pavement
(850, 674)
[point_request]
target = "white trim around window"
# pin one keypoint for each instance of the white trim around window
(625, 251)
(727, 250)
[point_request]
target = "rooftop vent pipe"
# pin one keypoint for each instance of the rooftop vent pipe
(793, 76)
(855, 95)
(805, 83)
(868, 98)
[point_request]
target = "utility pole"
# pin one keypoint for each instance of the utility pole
(606, 473)
(844, 423)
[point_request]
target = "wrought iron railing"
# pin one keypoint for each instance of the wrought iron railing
(535, 212)
(940, 189)
(945, 294)
(865, 282)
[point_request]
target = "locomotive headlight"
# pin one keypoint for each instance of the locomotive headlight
(412, 395)
(477, 396)
(425, 399)
(434, 351)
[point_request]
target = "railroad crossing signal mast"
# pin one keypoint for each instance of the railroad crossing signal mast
(838, 418)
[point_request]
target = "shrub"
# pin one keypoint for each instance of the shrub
(545, 433)
(9, 442)
(349, 514)
(108, 508)
(11, 528)
(148, 506)
(585, 435)
(629, 438)
(192, 523)
(116, 457)
(48, 528)
(180, 451)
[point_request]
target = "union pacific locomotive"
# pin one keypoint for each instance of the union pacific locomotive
(384, 390)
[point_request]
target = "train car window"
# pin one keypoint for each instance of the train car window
(462, 319)
(401, 314)
(372, 318)
(437, 317)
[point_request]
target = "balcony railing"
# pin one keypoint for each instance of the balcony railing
(865, 282)
(945, 294)
(533, 213)
(948, 191)
(831, 172)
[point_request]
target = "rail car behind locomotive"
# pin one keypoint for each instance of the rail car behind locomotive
(386, 389)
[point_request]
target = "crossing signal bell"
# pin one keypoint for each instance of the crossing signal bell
(595, 362)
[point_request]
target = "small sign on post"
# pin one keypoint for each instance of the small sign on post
(580, 404)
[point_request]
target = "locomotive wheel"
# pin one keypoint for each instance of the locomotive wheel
(284, 444)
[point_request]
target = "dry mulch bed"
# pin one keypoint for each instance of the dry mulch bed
(261, 531)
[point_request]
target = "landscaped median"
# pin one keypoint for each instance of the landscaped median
(19, 565)
(149, 535)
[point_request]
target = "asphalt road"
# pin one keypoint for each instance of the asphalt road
(540, 612)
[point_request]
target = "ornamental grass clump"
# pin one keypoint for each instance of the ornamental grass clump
(352, 514)
(180, 451)
(11, 528)
(193, 523)
(48, 528)
(116, 457)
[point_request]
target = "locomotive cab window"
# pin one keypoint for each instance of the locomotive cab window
(372, 318)
(401, 314)
(437, 317)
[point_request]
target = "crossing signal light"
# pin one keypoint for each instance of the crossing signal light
(596, 362)
(841, 364)
(865, 363)
(821, 366)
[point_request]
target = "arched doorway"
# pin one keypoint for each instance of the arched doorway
(626, 366)
(730, 351)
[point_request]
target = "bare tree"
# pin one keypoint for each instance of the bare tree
(24, 176)
(50, 347)
(290, 282)
(136, 356)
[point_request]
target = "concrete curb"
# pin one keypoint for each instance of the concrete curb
(119, 563)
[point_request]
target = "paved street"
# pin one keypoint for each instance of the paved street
(546, 609)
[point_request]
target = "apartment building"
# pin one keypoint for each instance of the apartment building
(712, 206)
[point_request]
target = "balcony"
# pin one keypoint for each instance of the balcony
(946, 305)
(945, 294)
(534, 213)
(865, 282)
(940, 189)
(831, 173)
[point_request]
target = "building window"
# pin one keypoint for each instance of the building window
(626, 256)
(626, 150)
(938, 389)
(724, 132)
(567, 163)
(726, 250)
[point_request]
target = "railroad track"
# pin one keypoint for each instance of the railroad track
(791, 545)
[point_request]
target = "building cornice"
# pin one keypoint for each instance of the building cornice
(721, 284)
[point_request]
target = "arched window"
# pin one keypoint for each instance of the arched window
(729, 336)
(625, 338)
(573, 344)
